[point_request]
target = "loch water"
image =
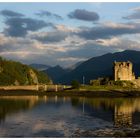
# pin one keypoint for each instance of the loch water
(53, 116)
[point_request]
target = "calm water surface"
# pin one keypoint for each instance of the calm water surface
(44, 116)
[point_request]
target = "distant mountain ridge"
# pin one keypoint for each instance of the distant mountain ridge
(56, 72)
(101, 66)
(39, 67)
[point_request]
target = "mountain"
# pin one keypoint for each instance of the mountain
(39, 67)
(15, 73)
(101, 66)
(56, 72)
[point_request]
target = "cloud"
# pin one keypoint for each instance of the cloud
(71, 59)
(119, 44)
(49, 14)
(20, 26)
(24, 49)
(49, 37)
(14, 44)
(9, 13)
(60, 33)
(134, 15)
(29, 50)
(64, 28)
(109, 42)
(84, 15)
(109, 30)
(92, 48)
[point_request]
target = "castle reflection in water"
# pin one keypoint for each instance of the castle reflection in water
(122, 109)
(118, 110)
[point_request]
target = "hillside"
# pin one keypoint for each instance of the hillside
(101, 66)
(15, 73)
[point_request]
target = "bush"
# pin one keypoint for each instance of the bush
(100, 81)
(105, 81)
(75, 84)
(118, 83)
(95, 82)
(124, 83)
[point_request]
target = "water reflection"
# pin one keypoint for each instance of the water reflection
(14, 104)
(122, 109)
(123, 116)
(119, 111)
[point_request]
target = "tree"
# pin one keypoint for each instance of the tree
(75, 84)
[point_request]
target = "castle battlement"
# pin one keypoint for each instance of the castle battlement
(123, 64)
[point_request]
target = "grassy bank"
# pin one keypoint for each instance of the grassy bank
(107, 88)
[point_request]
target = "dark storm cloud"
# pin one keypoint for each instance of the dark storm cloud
(135, 15)
(48, 14)
(109, 31)
(20, 26)
(9, 13)
(84, 15)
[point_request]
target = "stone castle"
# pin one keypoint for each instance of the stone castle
(123, 71)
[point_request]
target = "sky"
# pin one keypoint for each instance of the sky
(66, 33)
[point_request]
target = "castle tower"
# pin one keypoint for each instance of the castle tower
(123, 71)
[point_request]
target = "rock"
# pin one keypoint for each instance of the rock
(1, 69)
(109, 132)
(16, 83)
(33, 76)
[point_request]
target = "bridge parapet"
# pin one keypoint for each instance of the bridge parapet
(36, 87)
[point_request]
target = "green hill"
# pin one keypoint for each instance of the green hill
(15, 73)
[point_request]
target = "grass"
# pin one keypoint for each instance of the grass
(105, 88)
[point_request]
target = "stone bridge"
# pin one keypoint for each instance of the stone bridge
(37, 87)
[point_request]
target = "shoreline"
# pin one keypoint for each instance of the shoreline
(77, 93)
(110, 132)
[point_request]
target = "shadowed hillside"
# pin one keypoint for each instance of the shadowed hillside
(56, 72)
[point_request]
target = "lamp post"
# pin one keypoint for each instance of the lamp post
(83, 80)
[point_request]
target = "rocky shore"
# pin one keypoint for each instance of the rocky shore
(109, 133)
